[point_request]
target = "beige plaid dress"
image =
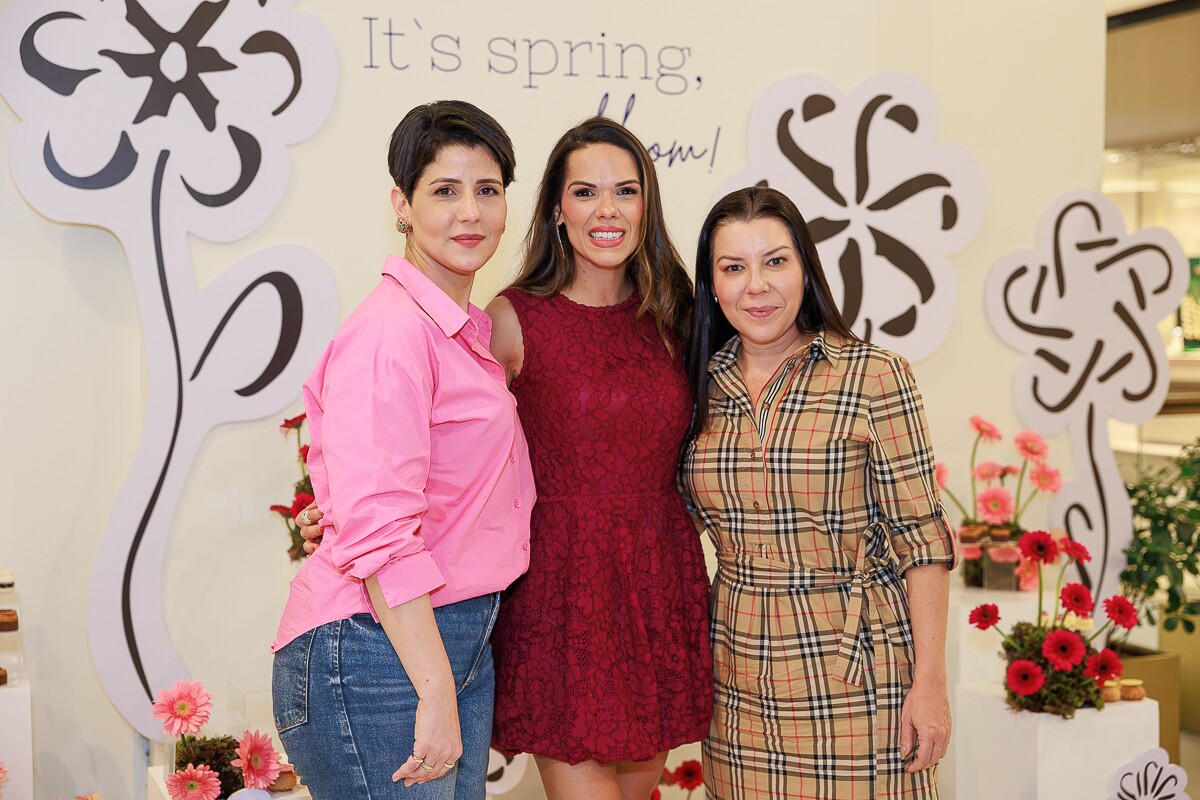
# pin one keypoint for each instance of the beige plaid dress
(816, 508)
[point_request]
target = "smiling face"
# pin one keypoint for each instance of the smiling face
(601, 206)
(457, 213)
(758, 280)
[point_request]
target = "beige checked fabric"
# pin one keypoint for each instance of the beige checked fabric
(816, 508)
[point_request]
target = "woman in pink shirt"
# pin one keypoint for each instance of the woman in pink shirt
(383, 671)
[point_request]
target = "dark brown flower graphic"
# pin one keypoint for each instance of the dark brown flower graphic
(885, 204)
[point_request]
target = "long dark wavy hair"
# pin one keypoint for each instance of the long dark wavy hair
(710, 328)
(548, 265)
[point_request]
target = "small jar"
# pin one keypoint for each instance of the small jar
(972, 534)
(1110, 691)
(1132, 689)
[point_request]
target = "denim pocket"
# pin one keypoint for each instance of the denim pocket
(484, 648)
(289, 682)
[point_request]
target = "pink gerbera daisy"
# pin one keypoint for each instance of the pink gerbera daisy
(986, 430)
(194, 783)
(3, 772)
(257, 760)
(1008, 469)
(1031, 446)
(994, 506)
(941, 473)
(970, 552)
(184, 708)
(1045, 479)
(987, 471)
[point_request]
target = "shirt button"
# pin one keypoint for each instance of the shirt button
(525, 546)
(517, 503)
(513, 459)
(756, 504)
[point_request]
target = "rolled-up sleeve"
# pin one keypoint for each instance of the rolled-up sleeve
(902, 470)
(376, 401)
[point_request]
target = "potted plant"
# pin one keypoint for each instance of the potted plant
(1165, 549)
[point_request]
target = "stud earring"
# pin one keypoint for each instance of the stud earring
(404, 226)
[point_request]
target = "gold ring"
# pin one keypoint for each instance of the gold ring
(417, 758)
(426, 767)
(450, 764)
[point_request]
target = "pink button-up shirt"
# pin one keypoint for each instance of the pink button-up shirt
(417, 459)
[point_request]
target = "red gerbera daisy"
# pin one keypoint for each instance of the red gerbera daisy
(291, 423)
(984, 616)
(1121, 611)
(1025, 677)
(1077, 599)
(1103, 666)
(688, 775)
(1064, 650)
(1075, 550)
(1039, 546)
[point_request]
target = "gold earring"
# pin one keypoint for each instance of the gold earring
(404, 226)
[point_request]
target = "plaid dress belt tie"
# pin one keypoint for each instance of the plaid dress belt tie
(867, 601)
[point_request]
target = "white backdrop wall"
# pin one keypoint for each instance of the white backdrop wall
(1019, 84)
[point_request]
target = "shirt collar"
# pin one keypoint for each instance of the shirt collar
(433, 301)
(827, 345)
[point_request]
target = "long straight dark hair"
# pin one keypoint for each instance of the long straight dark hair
(548, 265)
(710, 328)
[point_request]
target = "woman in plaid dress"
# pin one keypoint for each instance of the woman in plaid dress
(810, 469)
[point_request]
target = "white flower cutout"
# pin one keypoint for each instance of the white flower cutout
(886, 204)
(153, 120)
(1150, 776)
(1083, 307)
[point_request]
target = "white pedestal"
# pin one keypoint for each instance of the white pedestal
(16, 740)
(973, 656)
(1010, 755)
(156, 788)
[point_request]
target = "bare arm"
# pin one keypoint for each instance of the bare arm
(413, 632)
(508, 346)
(926, 712)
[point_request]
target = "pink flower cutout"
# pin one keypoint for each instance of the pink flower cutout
(194, 783)
(986, 430)
(184, 708)
(994, 506)
(257, 760)
(941, 474)
(1031, 446)
(987, 471)
(1045, 479)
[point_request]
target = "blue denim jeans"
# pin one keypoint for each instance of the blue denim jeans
(345, 708)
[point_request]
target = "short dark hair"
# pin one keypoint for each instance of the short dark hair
(426, 130)
(710, 328)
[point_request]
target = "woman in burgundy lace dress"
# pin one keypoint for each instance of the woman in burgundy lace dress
(602, 650)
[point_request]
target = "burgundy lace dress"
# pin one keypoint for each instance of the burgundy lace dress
(602, 648)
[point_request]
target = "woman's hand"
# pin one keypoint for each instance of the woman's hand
(438, 739)
(308, 521)
(925, 725)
